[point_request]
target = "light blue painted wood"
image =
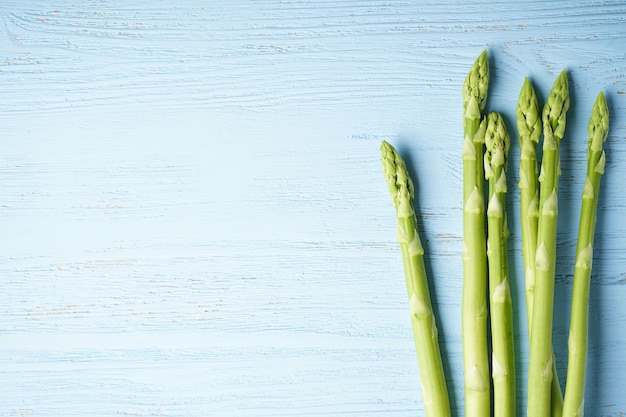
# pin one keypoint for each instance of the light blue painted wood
(193, 217)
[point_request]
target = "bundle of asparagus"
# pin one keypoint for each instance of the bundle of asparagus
(486, 298)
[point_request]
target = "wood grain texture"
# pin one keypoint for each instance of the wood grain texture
(194, 220)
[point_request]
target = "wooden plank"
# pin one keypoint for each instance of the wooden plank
(194, 219)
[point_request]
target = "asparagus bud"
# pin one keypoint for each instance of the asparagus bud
(475, 86)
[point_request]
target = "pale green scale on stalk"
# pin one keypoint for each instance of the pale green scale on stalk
(432, 378)
(474, 298)
(529, 126)
(541, 361)
(497, 143)
(598, 129)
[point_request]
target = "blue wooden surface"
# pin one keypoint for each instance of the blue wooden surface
(193, 216)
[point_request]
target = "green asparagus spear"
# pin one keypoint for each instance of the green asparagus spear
(529, 128)
(502, 338)
(541, 360)
(474, 303)
(434, 388)
(579, 321)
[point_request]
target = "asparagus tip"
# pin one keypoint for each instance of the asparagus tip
(528, 119)
(497, 141)
(598, 127)
(555, 109)
(398, 180)
(476, 85)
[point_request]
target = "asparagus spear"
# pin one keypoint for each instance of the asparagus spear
(434, 389)
(529, 128)
(474, 298)
(579, 322)
(502, 339)
(541, 361)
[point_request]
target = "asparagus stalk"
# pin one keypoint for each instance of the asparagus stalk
(474, 298)
(502, 339)
(541, 361)
(579, 321)
(529, 128)
(434, 389)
